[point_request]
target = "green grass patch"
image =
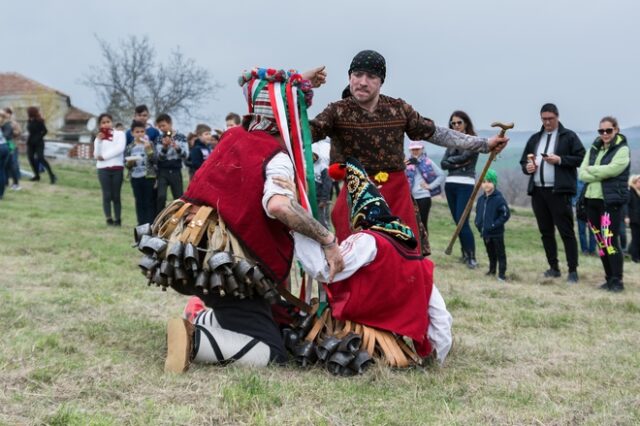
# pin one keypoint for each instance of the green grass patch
(83, 337)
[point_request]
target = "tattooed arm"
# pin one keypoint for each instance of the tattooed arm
(279, 202)
(289, 212)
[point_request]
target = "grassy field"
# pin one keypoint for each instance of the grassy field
(82, 337)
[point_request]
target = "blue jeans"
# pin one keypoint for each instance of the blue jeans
(582, 232)
(4, 156)
(12, 169)
(458, 195)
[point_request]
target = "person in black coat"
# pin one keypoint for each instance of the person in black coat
(633, 217)
(492, 212)
(35, 144)
(551, 158)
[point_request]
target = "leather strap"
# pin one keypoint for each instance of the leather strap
(368, 340)
(317, 326)
(167, 228)
(197, 226)
(408, 351)
(293, 300)
(390, 349)
(162, 216)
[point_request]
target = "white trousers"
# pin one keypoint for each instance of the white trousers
(216, 345)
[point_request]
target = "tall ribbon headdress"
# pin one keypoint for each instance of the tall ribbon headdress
(278, 102)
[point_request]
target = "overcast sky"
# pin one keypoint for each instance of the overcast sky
(495, 59)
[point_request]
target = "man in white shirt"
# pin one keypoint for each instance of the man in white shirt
(551, 158)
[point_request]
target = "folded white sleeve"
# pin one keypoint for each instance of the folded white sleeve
(279, 165)
(357, 250)
(440, 322)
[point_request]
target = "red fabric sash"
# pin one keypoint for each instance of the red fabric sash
(232, 180)
(395, 191)
(391, 293)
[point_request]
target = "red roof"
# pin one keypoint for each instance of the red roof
(76, 114)
(12, 83)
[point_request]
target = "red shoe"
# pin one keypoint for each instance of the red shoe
(194, 306)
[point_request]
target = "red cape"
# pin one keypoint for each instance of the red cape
(391, 293)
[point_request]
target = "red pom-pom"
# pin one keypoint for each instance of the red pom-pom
(337, 171)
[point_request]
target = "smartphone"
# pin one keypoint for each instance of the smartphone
(544, 155)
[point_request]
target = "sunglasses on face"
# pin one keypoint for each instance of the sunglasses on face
(457, 123)
(608, 131)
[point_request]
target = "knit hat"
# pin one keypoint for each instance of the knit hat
(492, 177)
(415, 145)
(369, 210)
(369, 61)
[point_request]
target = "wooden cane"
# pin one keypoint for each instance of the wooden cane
(476, 188)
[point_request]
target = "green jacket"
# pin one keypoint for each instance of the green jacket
(596, 173)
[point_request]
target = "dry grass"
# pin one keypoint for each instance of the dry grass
(82, 337)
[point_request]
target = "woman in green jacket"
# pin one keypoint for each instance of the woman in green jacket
(605, 170)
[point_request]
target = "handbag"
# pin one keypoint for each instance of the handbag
(581, 204)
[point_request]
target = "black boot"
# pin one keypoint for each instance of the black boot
(471, 260)
(605, 285)
(464, 256)
(616, 286)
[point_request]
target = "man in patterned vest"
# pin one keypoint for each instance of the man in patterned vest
(371, 127)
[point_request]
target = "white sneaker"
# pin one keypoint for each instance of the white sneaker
(15, 187)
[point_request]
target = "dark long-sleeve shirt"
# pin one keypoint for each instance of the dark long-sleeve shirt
(377, 138)
(37, 131)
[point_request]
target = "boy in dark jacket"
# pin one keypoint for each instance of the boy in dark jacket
(201, 148)
(492, 212)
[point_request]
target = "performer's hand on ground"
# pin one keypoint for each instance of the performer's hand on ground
(552, 159)
(334, 259)
(497, 143)
(317, 76)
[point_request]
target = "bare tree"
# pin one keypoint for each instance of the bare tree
(513, 185)
(130, 75)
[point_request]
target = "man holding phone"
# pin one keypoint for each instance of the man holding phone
(172, 147)
(551, 158)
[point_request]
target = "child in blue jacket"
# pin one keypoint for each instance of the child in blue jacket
(492, 212)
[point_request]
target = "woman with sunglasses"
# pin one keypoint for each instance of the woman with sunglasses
(605, 170)
(461, 167)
